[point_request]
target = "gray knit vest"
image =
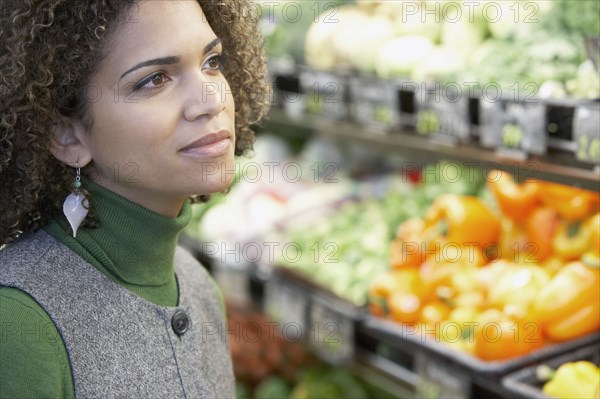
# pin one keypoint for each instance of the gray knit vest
(120, 345)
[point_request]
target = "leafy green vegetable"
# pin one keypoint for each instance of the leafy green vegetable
(574, 16)
(273, 387)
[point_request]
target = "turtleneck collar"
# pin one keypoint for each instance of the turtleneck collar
(133, 245)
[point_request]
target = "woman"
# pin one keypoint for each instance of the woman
(116, 115)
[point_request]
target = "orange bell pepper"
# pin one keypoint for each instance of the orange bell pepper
(584, 321)
(384, 289)
(406, 253)
(562, 304)
(540, 227)
(382, 285)
(411, 245)
(404, 307)
(514, 200)
(593, 224)
(571, 203)
(499, 337)
(513, 242)
(463, 220)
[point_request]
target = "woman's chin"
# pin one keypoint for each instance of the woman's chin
(215, 186)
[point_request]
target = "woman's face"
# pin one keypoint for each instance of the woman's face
(162, 111)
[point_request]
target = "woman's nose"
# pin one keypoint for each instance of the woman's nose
(205, 96)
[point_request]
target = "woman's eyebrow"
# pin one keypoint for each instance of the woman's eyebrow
(169, 60)
(212, 45)
(156, 61)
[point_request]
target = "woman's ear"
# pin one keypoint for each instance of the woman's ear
(68, 143)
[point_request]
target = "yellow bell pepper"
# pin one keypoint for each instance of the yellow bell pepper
(592, 255)
(594, 224)
(574, 380)
(571, 240)
(518, 286)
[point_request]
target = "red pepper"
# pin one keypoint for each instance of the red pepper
(540, 227)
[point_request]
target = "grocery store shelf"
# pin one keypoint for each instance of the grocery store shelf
(385, 374)
(555, 166)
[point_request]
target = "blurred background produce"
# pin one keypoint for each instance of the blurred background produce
(526, 266)
(522, 46)
(454, 252)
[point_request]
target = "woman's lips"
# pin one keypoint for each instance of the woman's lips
(210, 145)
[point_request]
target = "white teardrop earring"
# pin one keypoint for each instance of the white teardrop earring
(76, 204)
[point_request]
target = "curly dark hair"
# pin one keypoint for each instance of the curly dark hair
(48, 51)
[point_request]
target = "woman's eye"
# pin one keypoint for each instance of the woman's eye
(153, 81)
(215, 62)
(157, 79)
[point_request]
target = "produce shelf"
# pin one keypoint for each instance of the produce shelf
(385, 374)
(453, 373)
(524, 384)
(554, 166)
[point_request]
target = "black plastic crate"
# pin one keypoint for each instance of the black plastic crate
(327, 322)
(387, 330)
(446, 372)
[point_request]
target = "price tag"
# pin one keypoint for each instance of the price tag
(442, 113)
(234, 282)
(514, 127)
(405, 93)
(439, 380)
(586, 133)
(331, 332)
(324, 94)
(374, 102)
(286, 304)
(283, 77)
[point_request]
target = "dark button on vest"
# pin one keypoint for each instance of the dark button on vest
(180, 322)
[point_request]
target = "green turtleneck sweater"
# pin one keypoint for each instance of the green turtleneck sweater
(133, 246)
